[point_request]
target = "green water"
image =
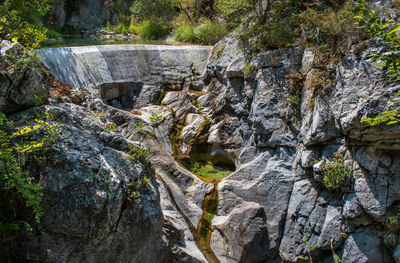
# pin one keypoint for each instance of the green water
(211, 167)
(76, 41)
(210, 205)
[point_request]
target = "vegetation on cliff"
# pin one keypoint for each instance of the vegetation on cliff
(20, 21)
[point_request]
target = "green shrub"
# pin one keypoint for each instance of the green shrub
(335, 172)
(220, 51)
(137, 154)
(53, 34)
(151, 30)
(158, 11)
(133, 29)
(328, 25)
(121, 29)
(234, 11)
(186, 33)
(211, 33)
(19, 188)
(207, 34)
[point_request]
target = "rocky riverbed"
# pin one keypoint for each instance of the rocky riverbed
(173, 101)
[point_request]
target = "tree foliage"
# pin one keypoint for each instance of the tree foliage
(19, 189)
(20, 20)
(155, 11)
(388, 31)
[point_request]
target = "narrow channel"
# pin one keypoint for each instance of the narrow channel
(204, 228)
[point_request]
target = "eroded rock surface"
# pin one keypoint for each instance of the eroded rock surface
(276, 204)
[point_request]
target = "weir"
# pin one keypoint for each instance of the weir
(92, 66)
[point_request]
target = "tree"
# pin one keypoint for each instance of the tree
(20, 20)
(159, 11)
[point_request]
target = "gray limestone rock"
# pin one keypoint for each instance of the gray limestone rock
(363, 247)
(180, 102)
(194, 123)
(21, 87)
(87, 216)
(351, 208)
(362, 91)
(242, 236)
(89, 67)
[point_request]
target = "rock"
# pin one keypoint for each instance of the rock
(396, 254)
(149, 95)
(362, 91)
(269, 115)
(351, 208)
(307, 158)
(236, 67)
(362, 247)
(194, 123)
(89, 67)
(180, 103)
(285, 57)
(87, 217)
(308, 59)
(372, 194)
(20, 87)
(245, 236)
(265, 180)
(176, 232)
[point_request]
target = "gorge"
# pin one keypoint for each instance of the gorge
(269, 204)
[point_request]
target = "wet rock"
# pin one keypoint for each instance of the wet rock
(89, 67)
(176, 233)
(194, 123)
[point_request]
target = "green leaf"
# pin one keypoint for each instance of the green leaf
(394, 29)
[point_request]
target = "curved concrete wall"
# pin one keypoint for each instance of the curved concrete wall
(89, 67)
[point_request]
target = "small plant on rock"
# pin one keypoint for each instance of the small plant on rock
(136, 188)
(155, 119)
(137, 154)
(335, 172)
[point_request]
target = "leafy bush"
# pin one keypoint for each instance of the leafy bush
(137, 154)
(335, 172)
(234, 11)
(19, 189)
(211, 33)
(328, 25)
(186, 33)
(53, 34)
(121, 28)
(207, 34)
(158, 11)
(20, 21)
(133, 29)
(151, 30)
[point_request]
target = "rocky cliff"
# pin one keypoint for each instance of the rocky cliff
(72, 15)
(274, 207)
